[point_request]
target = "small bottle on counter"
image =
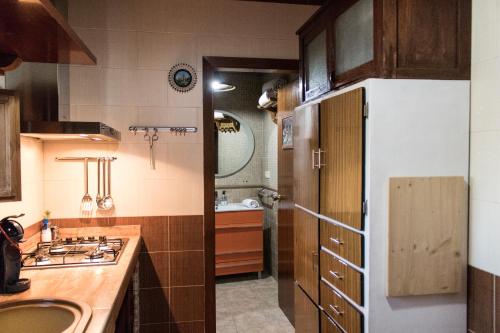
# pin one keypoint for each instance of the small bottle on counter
(46, 232)
(223, 199)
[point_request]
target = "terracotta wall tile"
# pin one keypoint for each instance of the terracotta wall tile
(480, 301)
(154, 269)
(186, 233)
(187, 303)
(189, 327)
(155, 328)
(187, 268)
(154, 305)
(154, 230)
(497, 303)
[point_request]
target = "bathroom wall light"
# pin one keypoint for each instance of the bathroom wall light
(220, 87)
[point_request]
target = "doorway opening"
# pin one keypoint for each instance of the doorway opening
(241, 150)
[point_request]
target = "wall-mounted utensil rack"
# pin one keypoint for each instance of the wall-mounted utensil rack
(153, 137)
(85, 158)
(173, 130)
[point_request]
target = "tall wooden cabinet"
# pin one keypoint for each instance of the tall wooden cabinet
(346, 148)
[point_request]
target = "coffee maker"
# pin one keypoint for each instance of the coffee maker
(11, 234)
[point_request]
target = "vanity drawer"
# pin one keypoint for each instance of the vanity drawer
(328, 325)
(346, 279)
(340, 310)
(345, 243)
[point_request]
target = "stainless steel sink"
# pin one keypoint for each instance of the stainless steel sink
(44, 316)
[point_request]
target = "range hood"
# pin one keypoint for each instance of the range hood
(42, 89)
(37, 32)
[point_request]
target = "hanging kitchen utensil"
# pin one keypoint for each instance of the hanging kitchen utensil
(151, 141)
(99, 198)
(108, 203)
(87, 202)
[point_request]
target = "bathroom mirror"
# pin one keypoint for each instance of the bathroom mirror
(234, 142)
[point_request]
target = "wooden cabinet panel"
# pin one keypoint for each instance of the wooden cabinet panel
(306, 313)
(341, 178)
(328, 325)
(429, 38)
(339, 274)
(10, 150)
(340, 310)
(345, 243)
(238, 242)
(427, 235)
(306, 252)
(288, 99)
(306, 143)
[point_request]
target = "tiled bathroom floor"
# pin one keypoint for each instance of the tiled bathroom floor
(250, 306)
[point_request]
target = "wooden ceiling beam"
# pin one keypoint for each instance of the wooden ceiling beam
(294, 2)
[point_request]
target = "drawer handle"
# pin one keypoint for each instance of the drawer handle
(336, 275)
(337, 241)
(336, 310)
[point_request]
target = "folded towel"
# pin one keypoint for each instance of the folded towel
(251, 203)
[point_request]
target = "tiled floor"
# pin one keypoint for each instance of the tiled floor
(250, 306)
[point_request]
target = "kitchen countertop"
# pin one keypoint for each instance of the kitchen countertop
(101, 287)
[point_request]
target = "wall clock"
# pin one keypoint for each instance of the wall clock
(182, 77)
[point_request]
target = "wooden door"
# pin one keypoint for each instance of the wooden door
(341, 179)
(10, 157)
(288, 99)
(306, 313)
(306, 252)
(306, 146)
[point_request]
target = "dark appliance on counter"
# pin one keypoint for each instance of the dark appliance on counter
(11, 234)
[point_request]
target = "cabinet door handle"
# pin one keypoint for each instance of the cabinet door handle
(337, 275)
(320, 151)
(337, 241)
(336, 310)
(313, 156)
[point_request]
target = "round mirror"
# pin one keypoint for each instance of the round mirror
(234, 142)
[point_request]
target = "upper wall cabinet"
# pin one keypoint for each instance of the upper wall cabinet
(10, 157)
(346, 41)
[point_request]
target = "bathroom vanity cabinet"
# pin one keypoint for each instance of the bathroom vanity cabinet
(350, 40)
(348, 146)
(239, 242)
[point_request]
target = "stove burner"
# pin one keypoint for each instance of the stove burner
(40, 258)
(94, 254)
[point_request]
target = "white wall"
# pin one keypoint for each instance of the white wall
(136, 43)
(484, 231)
(31, 184)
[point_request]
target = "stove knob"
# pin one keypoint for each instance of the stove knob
(79, 239)
(91, 238)
(102, 238)
(69, 240)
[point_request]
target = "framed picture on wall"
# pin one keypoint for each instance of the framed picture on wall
(287, 132)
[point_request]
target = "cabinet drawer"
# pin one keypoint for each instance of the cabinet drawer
(328, 325)
(235, 219)
(340, 310)
(345, 243)
(346, 279)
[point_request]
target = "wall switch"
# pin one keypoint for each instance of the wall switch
(267, 174)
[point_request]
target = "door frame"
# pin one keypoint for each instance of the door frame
(210, 66)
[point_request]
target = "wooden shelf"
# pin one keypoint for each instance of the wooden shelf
(35, 31)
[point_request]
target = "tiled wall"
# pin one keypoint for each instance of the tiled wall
(485, 137)
(31, 185)
(484, 302)
(171, 267)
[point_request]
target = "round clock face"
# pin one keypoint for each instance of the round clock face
(182, 77)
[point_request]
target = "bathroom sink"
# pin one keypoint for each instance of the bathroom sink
(232, 207)
(44, 316)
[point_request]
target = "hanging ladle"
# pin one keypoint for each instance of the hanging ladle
(107, 201)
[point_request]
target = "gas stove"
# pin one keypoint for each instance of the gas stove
(75, 251)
